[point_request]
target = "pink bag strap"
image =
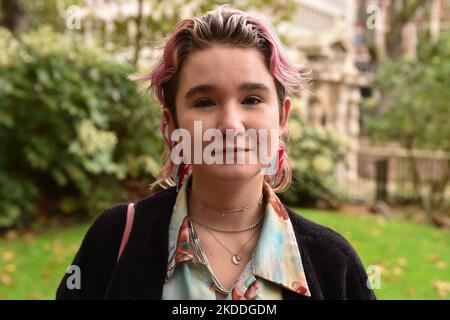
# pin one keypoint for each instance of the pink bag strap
(127, 230)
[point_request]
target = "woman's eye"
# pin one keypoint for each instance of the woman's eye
(252, 100)
(203, 103)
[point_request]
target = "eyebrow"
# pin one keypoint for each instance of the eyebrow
(206, 88)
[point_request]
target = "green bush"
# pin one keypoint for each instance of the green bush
(314, 155)
(72, 128)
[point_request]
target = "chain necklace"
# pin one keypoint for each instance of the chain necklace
(235, 257)
(224, 212)
(228, 230)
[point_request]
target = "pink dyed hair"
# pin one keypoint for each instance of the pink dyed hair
(224, 25)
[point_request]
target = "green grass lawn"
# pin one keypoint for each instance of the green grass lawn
(414, 259)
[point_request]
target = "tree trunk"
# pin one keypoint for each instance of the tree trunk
(401, 12)
(138, 39)
(14, 15)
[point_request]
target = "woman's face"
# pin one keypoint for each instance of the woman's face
(228, 88)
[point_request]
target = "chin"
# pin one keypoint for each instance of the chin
(229, 172)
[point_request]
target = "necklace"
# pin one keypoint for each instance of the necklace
(228, 231)
(224, 212)
(235, 257)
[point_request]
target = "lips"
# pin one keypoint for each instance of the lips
(232, 150)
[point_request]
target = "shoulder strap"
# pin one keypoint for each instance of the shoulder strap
(127, 230)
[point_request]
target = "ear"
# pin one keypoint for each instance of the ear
(167, 116)
(286, 108)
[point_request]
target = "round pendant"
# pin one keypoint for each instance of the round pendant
(236, 259)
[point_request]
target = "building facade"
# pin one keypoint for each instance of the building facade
(323, 31)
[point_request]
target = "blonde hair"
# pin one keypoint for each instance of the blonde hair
(224, 25)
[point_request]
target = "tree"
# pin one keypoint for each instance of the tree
(417, 114)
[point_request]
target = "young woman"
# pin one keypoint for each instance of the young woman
(218, 230)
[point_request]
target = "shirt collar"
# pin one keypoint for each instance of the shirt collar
(179, 239)
(276, 257)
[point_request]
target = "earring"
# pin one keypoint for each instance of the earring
(179, 174)
(280, 159)
(277, 162)
(180, 169)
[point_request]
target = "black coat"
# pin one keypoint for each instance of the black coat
(332, 267)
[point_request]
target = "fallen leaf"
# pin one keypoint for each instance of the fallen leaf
(411, 291)
(381, 220)
(432, 257)
(398, 271)
(10, 268)
(402, 262)
(37, 296)
(377, 233)
(6, 280)
(45, 274)
(8, 255)
(442, 288)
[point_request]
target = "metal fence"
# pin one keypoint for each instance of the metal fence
(385, 174)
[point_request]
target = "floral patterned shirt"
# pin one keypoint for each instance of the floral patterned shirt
(275, 262)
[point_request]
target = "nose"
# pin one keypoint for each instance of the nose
(230, 118)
